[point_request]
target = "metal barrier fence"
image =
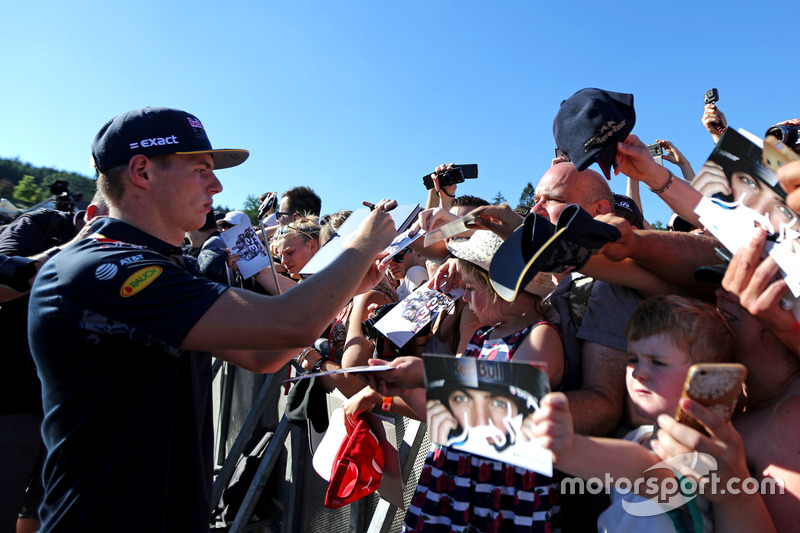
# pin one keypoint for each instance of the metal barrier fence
(290, 492)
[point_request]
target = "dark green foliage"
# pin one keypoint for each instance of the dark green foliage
(250, 207)
(6, 188)
(526, 199)
(27, 192)
(499, 199)
(13, 171)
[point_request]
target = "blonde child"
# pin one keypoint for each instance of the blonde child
(666, 335)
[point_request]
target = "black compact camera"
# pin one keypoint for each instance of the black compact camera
(63, 198)
(711, 96)
(368, 326)
(384, 347)
(788, 134)
(452, 176)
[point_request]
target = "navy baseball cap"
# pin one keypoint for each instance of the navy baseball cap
(590, 123)
(625, 207)
(153, 131)
(512, 267)
(539, 246)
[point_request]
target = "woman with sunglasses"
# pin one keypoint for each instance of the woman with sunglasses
(295, 244)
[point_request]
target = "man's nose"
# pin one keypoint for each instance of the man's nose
(215, 186)
(480, 415)
(538, 208)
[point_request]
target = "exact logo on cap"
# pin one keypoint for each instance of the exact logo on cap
(158, 141)
(156, 131)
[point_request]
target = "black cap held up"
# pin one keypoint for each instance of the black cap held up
(153, 131)
(538, 246)
(590, 123)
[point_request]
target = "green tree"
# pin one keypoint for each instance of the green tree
(526, 198)
(658, 225)
(499, 199)
(28, 192)
(250, 207)
(15, 170)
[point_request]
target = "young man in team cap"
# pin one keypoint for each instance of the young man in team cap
(121, 333)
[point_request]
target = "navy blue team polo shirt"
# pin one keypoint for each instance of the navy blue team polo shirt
(127, 413)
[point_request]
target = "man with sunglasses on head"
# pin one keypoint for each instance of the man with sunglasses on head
(121, 333)
(295, 202)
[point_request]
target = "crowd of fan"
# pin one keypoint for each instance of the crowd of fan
(617, 334)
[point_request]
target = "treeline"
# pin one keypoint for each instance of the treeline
(25, 184)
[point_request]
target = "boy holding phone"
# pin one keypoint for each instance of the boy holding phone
(666, 335)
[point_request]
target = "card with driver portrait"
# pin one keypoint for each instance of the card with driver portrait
(482, 407)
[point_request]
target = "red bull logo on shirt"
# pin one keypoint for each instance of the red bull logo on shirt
(139, 280)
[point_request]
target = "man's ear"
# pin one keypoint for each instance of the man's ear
(601, 207)
(137, 170)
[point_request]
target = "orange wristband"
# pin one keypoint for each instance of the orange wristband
(387, 403)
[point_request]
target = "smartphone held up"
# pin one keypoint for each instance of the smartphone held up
(657, 151)
(717, 386)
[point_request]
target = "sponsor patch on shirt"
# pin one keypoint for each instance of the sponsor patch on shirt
(139, 280)
(131, 259)
(106, 271)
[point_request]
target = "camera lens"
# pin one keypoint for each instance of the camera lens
(451, 176)
(787, 134)
(778, 131)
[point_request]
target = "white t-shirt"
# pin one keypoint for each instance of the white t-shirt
(415, 276)
(616, 520)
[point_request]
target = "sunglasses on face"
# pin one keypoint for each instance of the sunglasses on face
(281, 214)
(400, 257)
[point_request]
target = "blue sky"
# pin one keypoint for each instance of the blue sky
(360, 99)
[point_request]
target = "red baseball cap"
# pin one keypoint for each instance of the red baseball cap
(357, 468)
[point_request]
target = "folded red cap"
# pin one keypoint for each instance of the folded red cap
(358, 468)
